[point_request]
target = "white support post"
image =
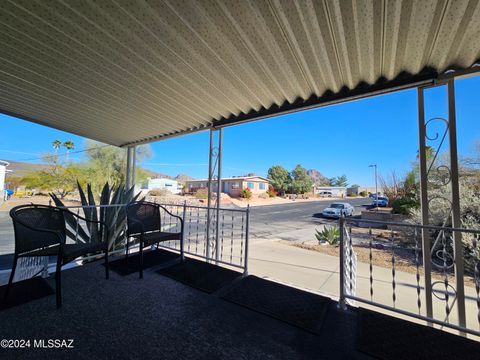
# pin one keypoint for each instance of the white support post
(209, 194)
(134, 164)
(456, 222)
(131, 166)
(426, 245)
(219, 193)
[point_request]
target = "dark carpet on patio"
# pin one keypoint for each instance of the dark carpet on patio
(160, 318)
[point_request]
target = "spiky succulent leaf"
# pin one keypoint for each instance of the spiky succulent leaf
(71, 221)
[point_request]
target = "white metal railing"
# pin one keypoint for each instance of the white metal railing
(224, 239)
(401, 284)
(225, 243)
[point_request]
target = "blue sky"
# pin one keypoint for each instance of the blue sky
(336, 140)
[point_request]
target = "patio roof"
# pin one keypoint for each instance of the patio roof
(132, 72)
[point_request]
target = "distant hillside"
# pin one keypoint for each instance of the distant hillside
(180, 177)
(21, 169)
(317, 177)
(183, 177)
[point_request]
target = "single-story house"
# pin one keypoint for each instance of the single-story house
(232, 186)
(356, 190)
(163, 184)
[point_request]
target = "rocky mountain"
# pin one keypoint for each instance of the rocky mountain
(318, 178)
(20, 169)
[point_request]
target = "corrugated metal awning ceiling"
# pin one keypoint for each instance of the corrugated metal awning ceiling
(125, 72)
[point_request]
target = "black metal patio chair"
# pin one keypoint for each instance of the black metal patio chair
(41, 230)
(144, 223)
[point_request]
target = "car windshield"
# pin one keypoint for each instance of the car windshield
(382, 198)
(337, 206)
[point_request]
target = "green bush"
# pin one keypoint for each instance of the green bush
(404, 205)
(329, 234)
(363, 194)
(246, 193)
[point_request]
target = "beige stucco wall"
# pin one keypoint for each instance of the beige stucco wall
(233, 187)
(256, 185)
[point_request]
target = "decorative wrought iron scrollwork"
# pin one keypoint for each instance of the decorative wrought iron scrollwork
(439, 176)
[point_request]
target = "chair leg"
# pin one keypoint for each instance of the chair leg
(10, 280)
(107, 270)
(141, 258)
(126, 251)
(58, 283)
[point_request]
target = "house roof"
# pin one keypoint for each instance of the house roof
(131, 72)
(235, 178)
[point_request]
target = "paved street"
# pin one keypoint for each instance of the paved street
(295, 221)
(282, 221)
(6, 233)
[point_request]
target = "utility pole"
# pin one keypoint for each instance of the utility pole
(376, 184)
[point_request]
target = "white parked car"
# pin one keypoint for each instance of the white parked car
(325, 194)
(337, 208)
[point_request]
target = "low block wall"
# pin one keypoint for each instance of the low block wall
(380, 215)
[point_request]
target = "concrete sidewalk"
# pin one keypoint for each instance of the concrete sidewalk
(319, 273)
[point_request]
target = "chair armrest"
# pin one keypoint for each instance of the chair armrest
(172, 215)
(82, 218)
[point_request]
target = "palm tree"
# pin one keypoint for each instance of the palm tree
(56, 145)
(70, 146)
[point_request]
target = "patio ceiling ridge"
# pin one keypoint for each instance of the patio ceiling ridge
(127, 73)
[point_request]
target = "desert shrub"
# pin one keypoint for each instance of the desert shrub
(158, 192)
(329, 234)
(201, 194)
(352, 195)
(363, 193)
(246, 193)
(271, 192)
(404, 205)
(263, 196)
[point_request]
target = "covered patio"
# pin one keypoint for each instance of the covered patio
(160, 318)
(128, 73)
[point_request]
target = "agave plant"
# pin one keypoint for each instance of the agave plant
(329, 234)
(114, 217)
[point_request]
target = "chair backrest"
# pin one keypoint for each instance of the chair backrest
(27, 218)
(142, 216)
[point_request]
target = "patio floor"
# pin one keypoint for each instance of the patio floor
(160, 318)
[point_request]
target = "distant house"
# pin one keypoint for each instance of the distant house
(356, 190)
(3, 171)
(163, 184)
(232, 186)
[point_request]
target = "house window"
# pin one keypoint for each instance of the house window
(261, 186)
(235, 185)
(250, 185)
